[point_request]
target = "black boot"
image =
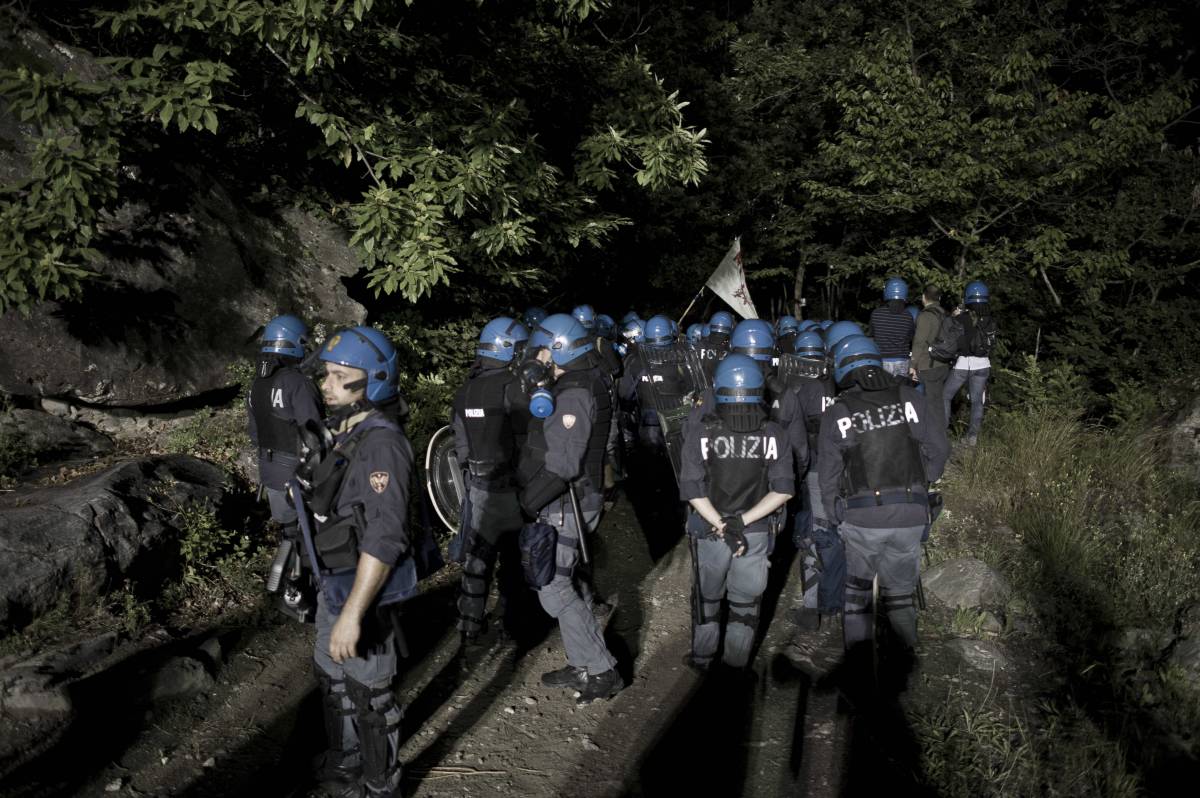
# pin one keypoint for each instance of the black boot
(570, 676)
(602, 685)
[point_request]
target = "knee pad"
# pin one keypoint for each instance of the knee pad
(372, 707)
(745, 613)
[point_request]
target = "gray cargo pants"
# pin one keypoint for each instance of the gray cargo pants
(359, 693)
(494, 524)
(893, 554)
(740, 579)
(568, 597)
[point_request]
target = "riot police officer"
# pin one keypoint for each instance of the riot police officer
(489, 411)
(892, 327)
(736, 473)
(282, 400)
(716, 344)
(786, 330)
(562, 469)
(815, 394)
(637, 381)
(359, 497)
(877, 454)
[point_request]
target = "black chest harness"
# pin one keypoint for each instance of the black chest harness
(884, 466)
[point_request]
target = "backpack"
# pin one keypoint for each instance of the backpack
(982, 338)
(948, 342)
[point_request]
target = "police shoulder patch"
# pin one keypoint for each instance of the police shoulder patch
(379, 481)
(568, 420)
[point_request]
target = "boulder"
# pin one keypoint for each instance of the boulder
(79, 539)
(40, 686)
(966, 583)
(1184, 438)
(980, 654)
(188, 273)
(178, 678)
(49, 438)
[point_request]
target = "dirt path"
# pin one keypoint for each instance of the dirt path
(493, 729)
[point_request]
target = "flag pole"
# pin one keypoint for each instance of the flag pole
(690, 304)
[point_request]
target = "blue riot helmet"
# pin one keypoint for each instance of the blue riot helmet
(895, 288)
(284, 335)
(633, 331)
(807, 324)
(738, 380)
(370, 350)
(787, 325)
(976, 293)
(564, 336)
(705, 330)
(839, 330)
(695, 333)
(752, 337)
(533, 317)
(501, 339)
(721, 322)
(674, 328)
(913, 311)
(630, 316)
(605, 325)
(586, 316)
(809, 345)
(658, 332)
(825, 324)
(852, 353)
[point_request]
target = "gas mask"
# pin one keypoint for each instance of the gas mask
(536, 378)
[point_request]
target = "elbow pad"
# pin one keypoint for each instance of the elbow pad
(544, 488)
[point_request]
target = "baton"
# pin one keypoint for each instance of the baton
(921, 595)
(583, 551)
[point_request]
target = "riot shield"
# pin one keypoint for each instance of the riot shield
(677, 381)
(793, 368)
(444, 479)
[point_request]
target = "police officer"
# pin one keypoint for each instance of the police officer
(786, 330)
(716, 344)
(361, 491)
(892, 327)
(533, 316)
(637, 383)
(565, 453)
(973, 366)
(282, 400)
(877, 453)
(488, 411)
(736, 472)
(585, 315)
(814, 532)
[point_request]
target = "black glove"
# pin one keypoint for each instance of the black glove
(735, 533)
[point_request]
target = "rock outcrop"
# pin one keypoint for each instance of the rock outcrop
(81, 538)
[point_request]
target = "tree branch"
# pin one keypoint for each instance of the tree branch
(1053, 293)
(287, 75)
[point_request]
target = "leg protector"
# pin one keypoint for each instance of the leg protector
(378, 716)
(343, 762)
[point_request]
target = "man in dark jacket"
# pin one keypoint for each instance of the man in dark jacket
(929, 373)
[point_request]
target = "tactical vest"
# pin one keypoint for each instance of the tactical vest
(336, 538)
(276, 433)
(736, 464)
(819, 393)
(885, 456)
(485, 415)
(660, 385)
(591, 380)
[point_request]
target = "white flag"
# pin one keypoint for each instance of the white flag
(729, 282)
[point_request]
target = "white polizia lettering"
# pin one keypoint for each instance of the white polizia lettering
(277, 397)
(474, 412)
(745, 447)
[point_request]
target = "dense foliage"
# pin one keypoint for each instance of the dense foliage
(484, 155)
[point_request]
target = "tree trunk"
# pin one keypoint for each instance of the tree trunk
(798, 293)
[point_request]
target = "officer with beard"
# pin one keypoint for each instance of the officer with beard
(565, 454)
(489, 413)
(877, 454)
(736, 472)
(359, 498)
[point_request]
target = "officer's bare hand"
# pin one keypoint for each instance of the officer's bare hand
(343, 640)
(912, 375)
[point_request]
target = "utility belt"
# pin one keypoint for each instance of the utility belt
(491, 476)
(881, 497)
